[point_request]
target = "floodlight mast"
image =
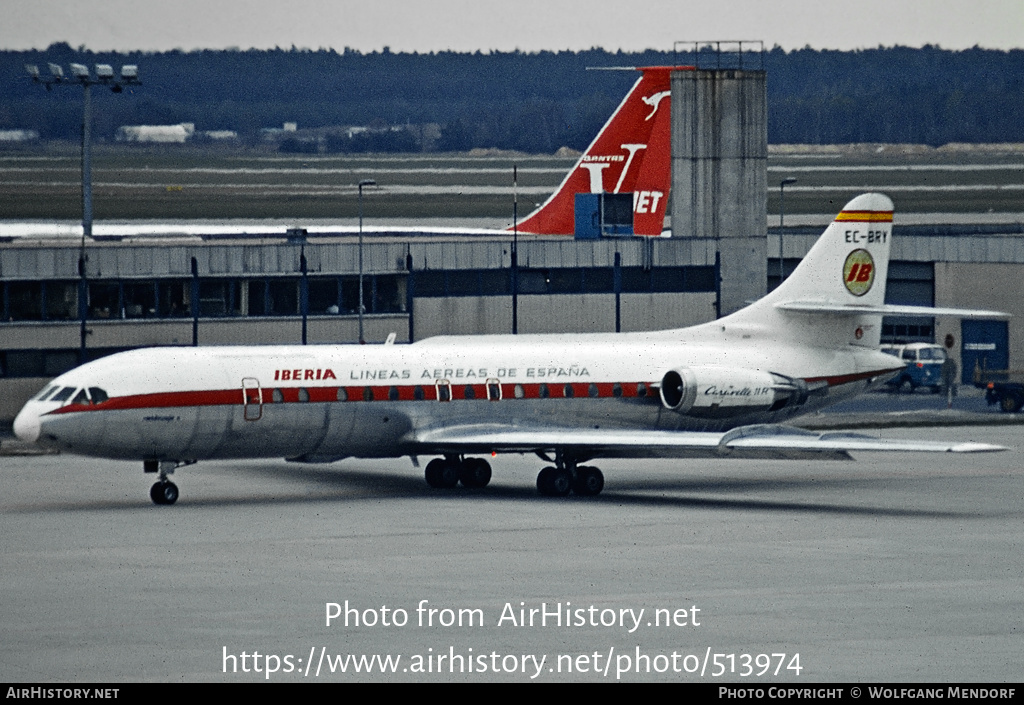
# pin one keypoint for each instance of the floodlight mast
(81, 76)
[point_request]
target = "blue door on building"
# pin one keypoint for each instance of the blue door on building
(984, 345)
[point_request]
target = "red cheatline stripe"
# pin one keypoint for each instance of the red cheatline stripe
(424, 392)
(846, 379)
(864, 217)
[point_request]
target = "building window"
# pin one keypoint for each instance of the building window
(24, 301)
(62, 301)
(139, 299)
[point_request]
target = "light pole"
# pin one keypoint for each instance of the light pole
(364, 182)
(81, 76)
(515, 250)
(782, 213)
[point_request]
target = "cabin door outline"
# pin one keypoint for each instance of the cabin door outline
(252, 399)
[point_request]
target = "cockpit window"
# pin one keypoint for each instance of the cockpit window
(98, 395)
(45, 393)
(64, 394)
(81, 397)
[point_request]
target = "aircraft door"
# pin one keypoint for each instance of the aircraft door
(252, 398)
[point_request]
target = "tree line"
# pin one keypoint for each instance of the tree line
(534, 102)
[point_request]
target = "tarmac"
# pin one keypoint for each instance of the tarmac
(892, 568)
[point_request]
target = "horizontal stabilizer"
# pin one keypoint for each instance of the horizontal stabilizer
(884, 310)
(759, 441)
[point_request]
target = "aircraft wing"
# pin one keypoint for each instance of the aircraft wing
(760, 441)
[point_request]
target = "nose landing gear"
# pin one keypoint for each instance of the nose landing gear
(163, 490)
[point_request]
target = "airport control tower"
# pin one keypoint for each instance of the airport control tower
(720, 161)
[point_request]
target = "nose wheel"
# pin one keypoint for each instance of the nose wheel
(164, 492)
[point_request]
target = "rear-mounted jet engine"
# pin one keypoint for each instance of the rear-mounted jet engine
(722, 391)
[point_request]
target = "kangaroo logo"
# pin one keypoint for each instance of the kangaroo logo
(654, 101)
(859, 272)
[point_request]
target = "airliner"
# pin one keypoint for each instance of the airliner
(630, 155)
(721, 388)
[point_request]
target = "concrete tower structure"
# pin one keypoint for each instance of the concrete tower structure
(720, 173)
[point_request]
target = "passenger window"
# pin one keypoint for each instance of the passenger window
(303, 394)
(908, 355)
(277, 396)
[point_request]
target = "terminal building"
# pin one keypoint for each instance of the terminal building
(304, 289)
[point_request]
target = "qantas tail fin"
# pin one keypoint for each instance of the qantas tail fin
(631, 154)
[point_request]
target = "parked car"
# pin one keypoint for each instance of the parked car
(923, 366)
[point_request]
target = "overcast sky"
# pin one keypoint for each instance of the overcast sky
(528, 25)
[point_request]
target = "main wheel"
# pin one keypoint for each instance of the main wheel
(554, 482)
(475, 472)
(164, 492)
(441, 474)
(589, 481)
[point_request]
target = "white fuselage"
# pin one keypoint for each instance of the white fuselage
(331, 401)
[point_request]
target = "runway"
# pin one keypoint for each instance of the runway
(892, 568)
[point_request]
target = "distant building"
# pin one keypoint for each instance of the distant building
(167, 134)
(18, 135)
(218, 135)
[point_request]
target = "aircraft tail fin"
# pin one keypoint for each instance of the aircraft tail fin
(631, 154)
(849, 263)
(840, 283)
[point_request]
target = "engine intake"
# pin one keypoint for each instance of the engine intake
(724, 391)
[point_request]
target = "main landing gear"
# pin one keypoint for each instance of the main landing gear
(163, 490)
(447, 472)
(559, 480)
(565, 477)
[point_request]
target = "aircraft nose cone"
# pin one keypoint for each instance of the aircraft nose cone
(26, 425)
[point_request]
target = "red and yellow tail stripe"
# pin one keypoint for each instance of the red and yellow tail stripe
(864, 217)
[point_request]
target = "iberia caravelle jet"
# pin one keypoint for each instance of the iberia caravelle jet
(710, 390)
